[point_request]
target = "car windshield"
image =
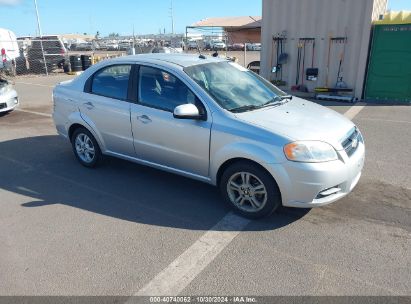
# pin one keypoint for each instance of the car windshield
(235, 88)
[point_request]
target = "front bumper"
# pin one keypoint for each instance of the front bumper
(8, 101)
(301, 184)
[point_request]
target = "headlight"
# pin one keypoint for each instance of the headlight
(310, 152)
(5, 89)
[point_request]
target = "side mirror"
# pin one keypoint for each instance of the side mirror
(187, 111)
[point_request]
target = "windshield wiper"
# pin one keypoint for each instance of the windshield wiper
(277, 101)
(286, 97)
(245, 109)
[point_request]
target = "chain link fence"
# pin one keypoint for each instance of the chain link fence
(51, 54)
(247, 55)
(221, 44)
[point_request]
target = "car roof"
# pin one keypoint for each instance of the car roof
(183, 60)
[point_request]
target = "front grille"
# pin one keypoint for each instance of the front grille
(351, 144)
(3, 106)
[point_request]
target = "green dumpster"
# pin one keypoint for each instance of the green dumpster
(389, 69)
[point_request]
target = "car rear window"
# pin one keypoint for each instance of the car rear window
(112, 82)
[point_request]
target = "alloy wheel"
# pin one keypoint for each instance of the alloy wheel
(85, 148)
(247, 192)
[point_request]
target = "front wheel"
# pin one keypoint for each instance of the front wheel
(250, 191)
(86, 148)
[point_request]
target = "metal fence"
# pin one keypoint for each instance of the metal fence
(245, 54)
(53, 55)
(48, 56)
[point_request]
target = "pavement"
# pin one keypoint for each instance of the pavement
(125, 229)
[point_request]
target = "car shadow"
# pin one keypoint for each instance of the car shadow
(2, 114)
(45, 171)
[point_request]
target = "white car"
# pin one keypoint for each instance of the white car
(192, 45)
(112, 46)
(8, 97)
(253, 46)
(166, 50)
(256, 46)
(217, 45)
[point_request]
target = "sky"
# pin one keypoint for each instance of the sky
(108, 16)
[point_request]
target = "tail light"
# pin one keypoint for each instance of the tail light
(3, 55)
(62, 51)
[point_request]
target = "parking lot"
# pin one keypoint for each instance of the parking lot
(124, 229)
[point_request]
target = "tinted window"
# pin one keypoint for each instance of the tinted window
(112, 82)
(161, 90)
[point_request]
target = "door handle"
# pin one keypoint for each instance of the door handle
(89, 105)
(144, 119)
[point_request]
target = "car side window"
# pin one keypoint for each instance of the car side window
(112, 82)
(162, 90)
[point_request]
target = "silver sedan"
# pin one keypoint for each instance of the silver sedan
(214, 121)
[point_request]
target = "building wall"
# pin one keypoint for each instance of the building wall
(320, 19)
(380, 8)
(244, 36)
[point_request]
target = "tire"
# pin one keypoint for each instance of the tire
(255, 199)
(86, 148)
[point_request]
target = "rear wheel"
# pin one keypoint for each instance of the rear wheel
(250, 190)
(86, 148)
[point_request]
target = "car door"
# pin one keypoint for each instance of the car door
(160, 138)
(105, 106)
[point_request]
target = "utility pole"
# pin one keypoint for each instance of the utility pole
(41, 36)
(172, 16)
(133, 51)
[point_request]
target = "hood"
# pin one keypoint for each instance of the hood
(300, 119)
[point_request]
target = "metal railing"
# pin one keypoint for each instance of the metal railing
(245, 54)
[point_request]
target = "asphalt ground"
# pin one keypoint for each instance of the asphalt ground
(125, 229)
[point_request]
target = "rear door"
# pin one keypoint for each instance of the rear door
(105, 106)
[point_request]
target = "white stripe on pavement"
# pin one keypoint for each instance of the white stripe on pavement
(179, 274)
(34, 112)
(355, 110)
